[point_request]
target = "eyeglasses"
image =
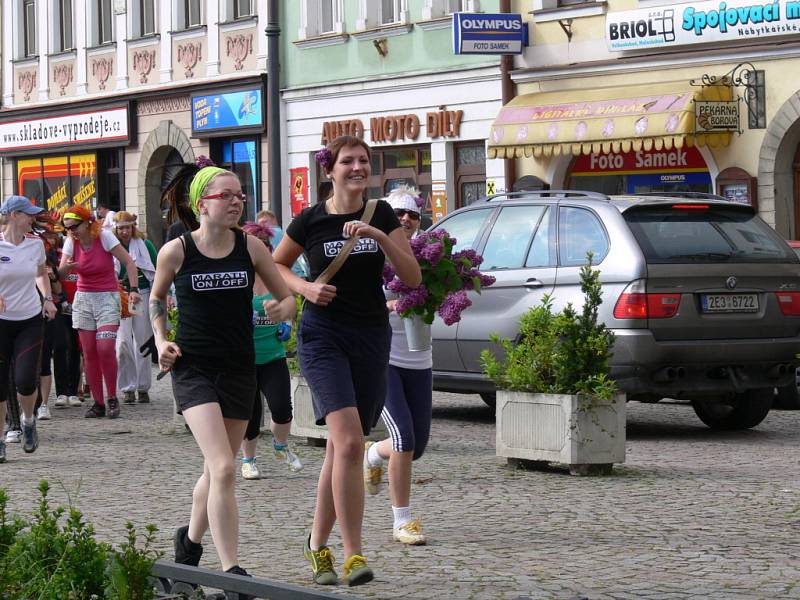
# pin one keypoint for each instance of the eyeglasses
(402, 212)
(73, 227)
(226, 196)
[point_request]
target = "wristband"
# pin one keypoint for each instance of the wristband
(48, 299)
(134, 289)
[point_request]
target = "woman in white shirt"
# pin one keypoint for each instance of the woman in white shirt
(22, 271)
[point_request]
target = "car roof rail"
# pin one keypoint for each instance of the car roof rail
(684, 195)
(551, 194)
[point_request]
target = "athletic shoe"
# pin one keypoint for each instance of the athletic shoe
(144, 397)
(13, 436)
(113, 408)
(129, 397)
(372, 475)
(30, 439)
(410, 533)
(2, 451)
(237, 570)
(321, 564)
(61, 401)
(250, 469)
(96, 411)
(356, 571)
(285, 454)
(186, 551)
(43, 414)
(74, 401)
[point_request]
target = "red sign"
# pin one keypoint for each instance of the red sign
(299, 192)
(640, 161)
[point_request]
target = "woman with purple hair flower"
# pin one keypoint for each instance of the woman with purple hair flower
(409, 395)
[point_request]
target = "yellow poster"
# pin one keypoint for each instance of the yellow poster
(56, 182)
(438, 200)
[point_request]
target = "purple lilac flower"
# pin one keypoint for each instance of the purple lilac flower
(487, 280)
(398, 287)
(473, 257)
(325, 158)
(432, 253)
(413, 298)
(203, 161)
(420, 202)
(453, 305)
(388, 273)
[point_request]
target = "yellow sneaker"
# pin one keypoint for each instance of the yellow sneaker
(410, 533)
(372, 475)
(356, 571)
(321, 564)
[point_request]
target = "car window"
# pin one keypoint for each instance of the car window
(579, 232)
(679, 235)
(465, 227)
(510, 236)
(539, 254)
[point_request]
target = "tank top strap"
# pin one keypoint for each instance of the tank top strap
(240, 242)
(189, 247)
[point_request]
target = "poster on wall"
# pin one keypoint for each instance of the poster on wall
(299, 192)
(736, 192)
(231, 110)
(58, 181)
(438, 200)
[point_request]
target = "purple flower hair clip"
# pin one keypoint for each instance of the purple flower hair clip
(203, 161)
(420, 202)
(325, 158)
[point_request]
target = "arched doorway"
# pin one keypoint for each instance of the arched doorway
(796, 177)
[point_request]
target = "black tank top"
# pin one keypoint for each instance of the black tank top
(215, 302)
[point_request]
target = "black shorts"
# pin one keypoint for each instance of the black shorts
(197, 380)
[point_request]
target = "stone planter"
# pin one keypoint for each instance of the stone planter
(304, 424)
(564, 429)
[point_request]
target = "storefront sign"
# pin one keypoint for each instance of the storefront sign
(438, 200)
(700, 23)
(227, 111)
(333, 129)
(393, 128)
(716, 116)
(65, 130)
(480, 33)
(299, 192)
(55, 182)
(677, 159)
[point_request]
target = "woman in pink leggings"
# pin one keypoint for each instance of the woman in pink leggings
(90, 251)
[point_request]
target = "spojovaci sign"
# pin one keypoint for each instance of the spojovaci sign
(700, 23)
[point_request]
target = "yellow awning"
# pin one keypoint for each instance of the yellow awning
(601, 120)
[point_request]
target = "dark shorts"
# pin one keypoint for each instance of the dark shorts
(345, 366)
(197, 380)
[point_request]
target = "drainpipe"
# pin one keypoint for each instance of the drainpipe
(508, 91)
(273, 32)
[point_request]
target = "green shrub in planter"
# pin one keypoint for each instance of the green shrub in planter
(558, 353)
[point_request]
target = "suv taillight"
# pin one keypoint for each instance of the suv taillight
(789, 303)
(634, 303)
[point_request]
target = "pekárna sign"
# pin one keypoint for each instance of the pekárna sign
(716, 116)
(700, 23)
(91, 127)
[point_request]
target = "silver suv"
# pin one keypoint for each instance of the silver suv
(703, 296)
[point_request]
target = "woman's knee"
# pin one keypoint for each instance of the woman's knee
(349, 446)
(221, 472)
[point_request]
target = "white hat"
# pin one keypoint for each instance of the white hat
(403, 197)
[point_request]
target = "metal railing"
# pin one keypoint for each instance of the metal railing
(176, 580)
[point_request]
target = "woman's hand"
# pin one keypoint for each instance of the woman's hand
(360, 229)
(134, 297)
(280, 311)
(391, 305)
(320, 294)
(67, 266)
(49, 310)
(168, 353)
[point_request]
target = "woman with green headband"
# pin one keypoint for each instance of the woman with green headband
(212, 359)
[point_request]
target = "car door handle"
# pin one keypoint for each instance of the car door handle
(533, 283)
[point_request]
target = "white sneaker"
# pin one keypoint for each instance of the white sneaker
(286, 455)
(61, 401)
(13, 436)
(372, 475)
(250, 470)
(75, 401)
(410, 533)
(43, 414)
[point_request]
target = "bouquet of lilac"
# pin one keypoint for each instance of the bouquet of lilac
(446, 278)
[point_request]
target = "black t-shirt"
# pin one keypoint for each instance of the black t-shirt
(359, 291)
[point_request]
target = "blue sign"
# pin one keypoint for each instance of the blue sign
(480, 33)
(226, 111)
(644, 182)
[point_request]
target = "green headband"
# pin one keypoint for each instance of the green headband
(200, 183)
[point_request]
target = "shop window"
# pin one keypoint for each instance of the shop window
(470, 175)
(579, 232)
(29, 28)
(320, 17)
(104, 22)
(242, 157)
(63, 17)
(511, 236)
(55, 182)
(143, 18)
(111, 185)
(377, 13)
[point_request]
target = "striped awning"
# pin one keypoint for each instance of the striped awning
(602, 120)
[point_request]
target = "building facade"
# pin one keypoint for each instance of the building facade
(386, 72)
(102, 99)
(648, 95)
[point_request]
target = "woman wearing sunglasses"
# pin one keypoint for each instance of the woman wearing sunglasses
(90, 250)
(213, 358)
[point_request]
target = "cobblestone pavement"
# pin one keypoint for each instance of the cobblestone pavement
(692, 514)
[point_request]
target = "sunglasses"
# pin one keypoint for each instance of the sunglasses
(73, 227)
(402, 212)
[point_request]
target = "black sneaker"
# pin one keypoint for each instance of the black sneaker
(186, 551)
(113, 408)
(30, 439)
(96, 411)
(237, 570)
(129, 397)
(2, 451)
(144, 398)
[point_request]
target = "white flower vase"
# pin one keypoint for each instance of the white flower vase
(418, 333)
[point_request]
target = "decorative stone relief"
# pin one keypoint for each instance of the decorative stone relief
(101, 71)
(27, 83)
(62, 76)
(170, 104)
(188, 55)
(239, 46)
(143, 63)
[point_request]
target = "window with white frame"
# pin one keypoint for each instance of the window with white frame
(65, 39)
(455, 6)
(143, 18)
(320, 17)
(29, 28)
(242, 8)
(192, 13)
(104, 28)
(390, 11)
(435, 9)
(380, 13)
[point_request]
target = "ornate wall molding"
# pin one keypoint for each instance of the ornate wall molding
(101, 71)
(239, 46)
(26, 82)
(157, 106)
(189, 54)
(143, 63)
(62, 76)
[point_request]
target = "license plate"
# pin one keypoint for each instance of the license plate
(715, 303)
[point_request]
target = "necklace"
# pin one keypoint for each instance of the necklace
(335, 210)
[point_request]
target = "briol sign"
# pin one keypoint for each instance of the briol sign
(716, 116)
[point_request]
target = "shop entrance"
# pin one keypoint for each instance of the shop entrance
(641, 171)
(796, 177)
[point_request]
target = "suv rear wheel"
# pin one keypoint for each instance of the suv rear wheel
(789, 395)
(490, 398)
(741, 411)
